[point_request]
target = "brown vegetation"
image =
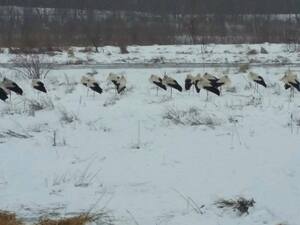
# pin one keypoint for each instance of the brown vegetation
(7, 218)
(77, 220)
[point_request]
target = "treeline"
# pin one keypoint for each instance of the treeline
(171, 6)
(47, 27)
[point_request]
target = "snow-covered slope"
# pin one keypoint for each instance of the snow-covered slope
(239, 144)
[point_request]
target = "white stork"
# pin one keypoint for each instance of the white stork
(257, 79)
(115, 79)
(169, 81)
(158, 82)
(12, 86)
(291, 81)
(208, 86)
(38, 85)
(91, 83)
(196, 80)
(3, 94)
(84, 81)
(188, 82)
(212, 79)
(121, 84)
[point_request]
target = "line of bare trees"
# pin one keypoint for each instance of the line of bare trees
(171, 6)
(48, 27)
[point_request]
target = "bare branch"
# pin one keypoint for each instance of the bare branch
(32, 66)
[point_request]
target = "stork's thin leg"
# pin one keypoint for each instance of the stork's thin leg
(24, 104)
(10, 102)
(256, 88)
(207, 96)
(292, 93)
(156, 91)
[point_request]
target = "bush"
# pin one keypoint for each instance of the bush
(191, 117)
(241, 205)
(32, 66)
(45, 103)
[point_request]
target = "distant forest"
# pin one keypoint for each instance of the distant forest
(48, 23)
(171, 6)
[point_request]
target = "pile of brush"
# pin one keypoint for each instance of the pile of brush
(240, 205)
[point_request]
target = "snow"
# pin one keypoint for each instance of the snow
(165, 54)
(252, 151)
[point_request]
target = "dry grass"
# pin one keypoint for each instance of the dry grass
(7, 218)
(77, 220)
(101, 218)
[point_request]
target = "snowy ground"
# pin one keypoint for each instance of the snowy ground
(244, 146)
(164, 54)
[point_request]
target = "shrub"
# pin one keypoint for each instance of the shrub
(241, 205)
(32, 66)
(191, 117)
(45, 103)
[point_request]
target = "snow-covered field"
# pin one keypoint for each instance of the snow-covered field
(126, 155)
(164, 54)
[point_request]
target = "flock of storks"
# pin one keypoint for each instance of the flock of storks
(7, 86)
(207, 82)
(214, 84)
